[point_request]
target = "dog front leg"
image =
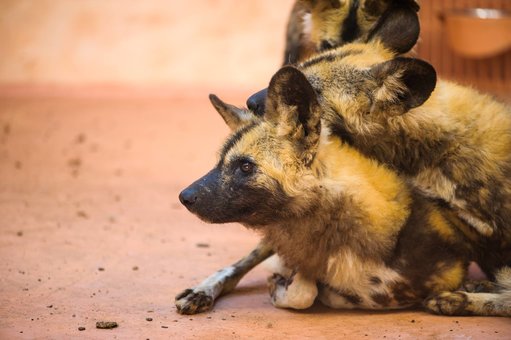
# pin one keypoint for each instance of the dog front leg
(202, 297)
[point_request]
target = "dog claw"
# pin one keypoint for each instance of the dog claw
(191, 302)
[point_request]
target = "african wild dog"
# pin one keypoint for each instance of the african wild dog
(452, 143)
(348, 230)
(320, 25)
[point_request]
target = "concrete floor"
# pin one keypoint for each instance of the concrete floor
(91, 230)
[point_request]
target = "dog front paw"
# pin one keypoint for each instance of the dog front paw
(192, 302)
(277, 285)
(448, 303)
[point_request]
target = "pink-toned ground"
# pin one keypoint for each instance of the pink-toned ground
(91, 230)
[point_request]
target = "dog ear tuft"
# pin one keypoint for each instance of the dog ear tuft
(233, 116)
(293, 105)
(402, 84)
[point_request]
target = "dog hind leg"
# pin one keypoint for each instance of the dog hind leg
(496, 303)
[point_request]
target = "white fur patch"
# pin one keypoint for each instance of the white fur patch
(307, 24)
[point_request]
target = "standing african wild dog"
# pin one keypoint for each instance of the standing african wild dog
(348, 230)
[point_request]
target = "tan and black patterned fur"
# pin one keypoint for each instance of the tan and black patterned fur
(347, 229)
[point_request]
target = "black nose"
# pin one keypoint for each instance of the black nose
(256, 102)
(188, 197)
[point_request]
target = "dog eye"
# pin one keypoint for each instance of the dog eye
(247, 167)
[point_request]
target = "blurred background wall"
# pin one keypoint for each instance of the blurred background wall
(198, 45)
(143, 43)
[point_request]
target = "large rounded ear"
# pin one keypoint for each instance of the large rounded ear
(233, 116)
(292, 105)
(398, 26)
(402, 84)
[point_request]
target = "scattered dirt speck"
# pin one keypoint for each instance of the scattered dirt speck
(148, 319)
(74, 162)
(164, 326)
(49, 306)
(106, 324)
(18, 165)
(81, 328)
(202, 245)
(80, 139)
(101, 269)
(135, 268)
(19, 233)
(412, 321)
(82, 214)
(269, 325)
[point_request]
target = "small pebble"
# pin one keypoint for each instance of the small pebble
(106, 324)
(149, 319)
(81, 328)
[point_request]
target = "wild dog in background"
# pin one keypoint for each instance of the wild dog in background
(347, 230)
(319, 25)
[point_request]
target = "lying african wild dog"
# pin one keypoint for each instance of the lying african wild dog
(349, 230)
(320, 25)
(451, 142)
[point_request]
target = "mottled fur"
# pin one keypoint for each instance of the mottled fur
(348, 229)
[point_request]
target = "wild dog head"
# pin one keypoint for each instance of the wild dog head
(264, 170)
(361, 87)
